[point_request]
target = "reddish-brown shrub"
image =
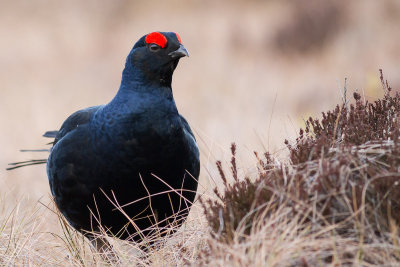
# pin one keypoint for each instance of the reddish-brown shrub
(344, 172)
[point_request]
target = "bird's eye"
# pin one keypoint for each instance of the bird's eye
(154, 47)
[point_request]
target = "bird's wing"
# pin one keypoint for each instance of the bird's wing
(78, 118)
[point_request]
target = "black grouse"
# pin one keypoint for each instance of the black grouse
(133, 163)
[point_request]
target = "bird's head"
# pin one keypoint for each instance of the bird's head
(156, 56)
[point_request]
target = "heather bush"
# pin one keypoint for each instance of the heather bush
(343, 175)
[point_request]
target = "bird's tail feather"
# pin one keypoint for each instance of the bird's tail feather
(16, 165)
(50, 134)
(35, 150)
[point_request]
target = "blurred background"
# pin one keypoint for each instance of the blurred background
(256, 69)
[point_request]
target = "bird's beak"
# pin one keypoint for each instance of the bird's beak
(180, 52)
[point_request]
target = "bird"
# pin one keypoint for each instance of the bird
(130, 167)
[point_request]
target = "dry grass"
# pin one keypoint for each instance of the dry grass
(279, 239)
(24, 242)
(284, 240)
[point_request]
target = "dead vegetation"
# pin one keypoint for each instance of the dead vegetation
(338, 198)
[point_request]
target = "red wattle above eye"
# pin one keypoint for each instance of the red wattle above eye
(156, 38)
(178, 37)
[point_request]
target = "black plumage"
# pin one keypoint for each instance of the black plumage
(136, 152)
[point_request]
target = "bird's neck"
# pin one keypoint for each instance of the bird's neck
(138, 80)
(138, 92)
